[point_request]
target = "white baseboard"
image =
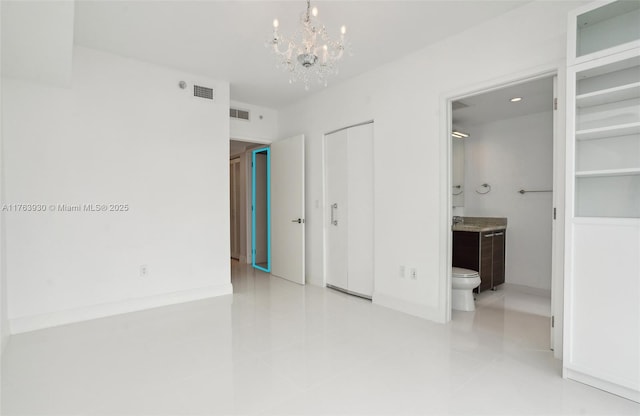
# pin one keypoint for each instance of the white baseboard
(411, 308)
(33, 323)
(601, 384)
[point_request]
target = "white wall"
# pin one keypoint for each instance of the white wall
(510, 155)
(4, 324)
(123, 133)
(256, 128)
(37, 41)
(4, 327)
(405, 100)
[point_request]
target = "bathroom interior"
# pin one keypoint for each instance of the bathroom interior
(502, 200)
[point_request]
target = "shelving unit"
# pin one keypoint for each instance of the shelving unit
(602, 264)
(609, 27)
(607, 172)
(609, 95)
(606, 121)
(608, 131)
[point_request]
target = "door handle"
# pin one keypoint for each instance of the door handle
(333, 220)
(299, 220)
(488, 235)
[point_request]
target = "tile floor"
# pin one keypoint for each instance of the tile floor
(278, 348)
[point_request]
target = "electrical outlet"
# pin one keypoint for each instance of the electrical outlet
(144, 270)
(402, 272)
(413, 273)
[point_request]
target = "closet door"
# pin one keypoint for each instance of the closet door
(360, 213)
(337, 221)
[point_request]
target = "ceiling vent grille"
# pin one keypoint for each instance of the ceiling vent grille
(239, 114)
(203, 92)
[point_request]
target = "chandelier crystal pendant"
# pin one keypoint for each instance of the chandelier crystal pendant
(311, 54)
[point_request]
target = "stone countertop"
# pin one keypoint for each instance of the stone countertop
(480, 224)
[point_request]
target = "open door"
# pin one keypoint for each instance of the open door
(287, 209)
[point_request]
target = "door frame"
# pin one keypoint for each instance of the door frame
(245, 165)
(254, 152)
(559, 161)
(235, 199)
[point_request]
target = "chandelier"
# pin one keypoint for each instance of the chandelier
(311, 54)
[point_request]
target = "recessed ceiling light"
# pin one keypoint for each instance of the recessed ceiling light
(515, 99)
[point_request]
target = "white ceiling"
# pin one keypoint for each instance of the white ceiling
(537, 96)
(225, 39)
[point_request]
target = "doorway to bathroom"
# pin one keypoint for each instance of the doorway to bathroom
(504, 155)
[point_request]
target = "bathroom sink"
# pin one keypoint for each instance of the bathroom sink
(477, 228)
(480, 224)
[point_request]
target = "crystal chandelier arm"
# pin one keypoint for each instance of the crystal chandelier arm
(332, 51)
(286, 52)
(280, 40)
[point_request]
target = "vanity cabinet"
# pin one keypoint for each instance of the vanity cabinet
(483, 251)
(498, 257)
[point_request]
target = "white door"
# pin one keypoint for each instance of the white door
(349, 223)
(360, 214)
(337, 221)
(287, 209)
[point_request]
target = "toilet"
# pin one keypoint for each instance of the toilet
(463, 283)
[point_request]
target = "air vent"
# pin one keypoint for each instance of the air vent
(203, 92)
(239, 114)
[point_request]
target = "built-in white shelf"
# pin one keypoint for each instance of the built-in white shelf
(610, 95)
(617, 221)
(607, 172)
(631, 59)
(608, 29)
(603, 223)
(608, 131)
